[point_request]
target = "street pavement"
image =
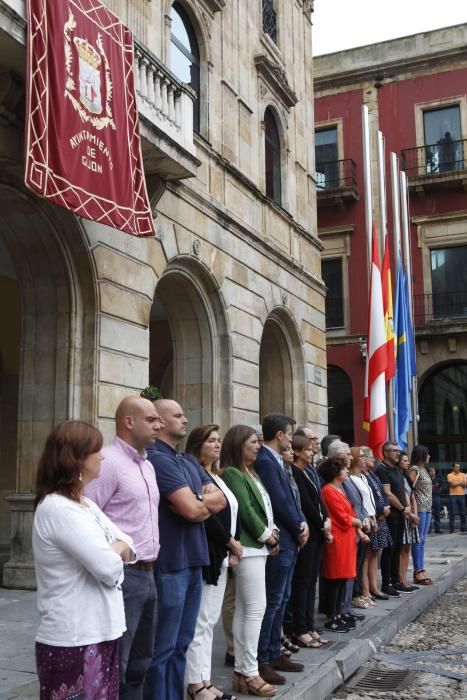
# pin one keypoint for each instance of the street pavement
(325, 668)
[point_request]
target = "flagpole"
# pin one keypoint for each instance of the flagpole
(408, 266)
(384, 232)
(367, 183)
(396, 211)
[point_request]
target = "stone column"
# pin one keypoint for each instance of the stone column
(19, 572)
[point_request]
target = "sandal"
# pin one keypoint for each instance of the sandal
(316, 635)
(222, 696)
(312, 644)
(419, 578)
(359, 603)
(264, 690)
(290, 646)
(427, 578)
(193, 693)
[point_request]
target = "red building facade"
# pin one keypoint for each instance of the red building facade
(416, 91)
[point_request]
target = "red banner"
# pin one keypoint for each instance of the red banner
(82, 131)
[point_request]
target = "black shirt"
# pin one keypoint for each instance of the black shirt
(394, 477)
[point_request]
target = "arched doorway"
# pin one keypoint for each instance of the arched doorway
(340, 404)
(189, 343)
(443, 411)
(52, 332)
(281, 368)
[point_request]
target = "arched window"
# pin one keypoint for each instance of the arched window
(340, 404)
(443, 409)
(272, 157)
(184, 55)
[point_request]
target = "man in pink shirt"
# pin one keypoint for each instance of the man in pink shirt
(126, 490)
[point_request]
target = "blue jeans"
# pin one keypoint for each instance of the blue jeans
(418, 550)
(456, 503)
(136, 645)
(279, 572)
(179, 595)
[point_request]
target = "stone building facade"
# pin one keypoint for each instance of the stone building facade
(415, 91)
(225, 310)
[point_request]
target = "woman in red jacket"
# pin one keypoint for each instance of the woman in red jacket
(340, 556)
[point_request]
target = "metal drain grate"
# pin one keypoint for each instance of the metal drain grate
(382, 680)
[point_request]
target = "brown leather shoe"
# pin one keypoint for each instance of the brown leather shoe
(268, 674)
(282, 663)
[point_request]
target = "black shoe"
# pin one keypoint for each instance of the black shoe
(403, 589)
(348, 622)
(390, 591)
(356, 617)
(229, 659)
(336, 625)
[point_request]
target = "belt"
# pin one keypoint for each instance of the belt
(145, 565)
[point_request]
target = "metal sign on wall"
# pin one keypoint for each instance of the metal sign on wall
(82, 131)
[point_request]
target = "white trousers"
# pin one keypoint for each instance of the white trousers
(250, 604)
(199, 654)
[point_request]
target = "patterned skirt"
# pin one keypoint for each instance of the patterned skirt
(78, 673)
(410, 535)
(382, 537)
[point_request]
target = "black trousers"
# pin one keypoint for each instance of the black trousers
(390, 556)
(362, 549)
(335, 592)
(304, 584)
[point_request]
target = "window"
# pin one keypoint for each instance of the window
(184, 55)
(326, 157)
(270, 19)
(449, 281)
(273, 157)
(443, 411)
(340, 404)
(331, 271)
(442, 135)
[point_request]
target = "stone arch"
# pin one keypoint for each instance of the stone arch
(57, 308)
(282, 384)
(198, 371)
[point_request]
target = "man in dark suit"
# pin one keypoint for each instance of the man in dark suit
(285, 500)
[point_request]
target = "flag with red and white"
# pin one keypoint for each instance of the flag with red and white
(377, 359)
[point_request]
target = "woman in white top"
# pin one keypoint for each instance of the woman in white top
(359, 479)
(225, 550)
(259, 537)
(78, 557)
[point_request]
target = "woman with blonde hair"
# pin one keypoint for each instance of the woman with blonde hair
(357, 475)
(78, 557)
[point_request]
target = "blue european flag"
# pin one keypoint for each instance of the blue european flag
(405, 359)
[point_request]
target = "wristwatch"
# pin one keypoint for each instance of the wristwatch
(200, 496)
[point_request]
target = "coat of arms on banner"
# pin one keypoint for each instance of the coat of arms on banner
(82, 137)
(88, 78)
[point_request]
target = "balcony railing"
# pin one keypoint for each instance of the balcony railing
(440, 307)
(334, 312)
(163, 99)
(336, 175)
(446, 156)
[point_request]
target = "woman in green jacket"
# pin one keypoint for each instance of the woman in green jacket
(259, 537)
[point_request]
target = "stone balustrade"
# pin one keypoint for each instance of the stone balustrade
(163, 99)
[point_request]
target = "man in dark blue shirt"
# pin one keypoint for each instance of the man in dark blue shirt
(188, 497)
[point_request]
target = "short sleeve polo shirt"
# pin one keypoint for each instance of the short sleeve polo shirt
(183, 543)
(394, 477)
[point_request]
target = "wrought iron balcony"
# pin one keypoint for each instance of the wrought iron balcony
(449, 306)
(443, 163)
(269, 19)
(334, 312)
(336, 181)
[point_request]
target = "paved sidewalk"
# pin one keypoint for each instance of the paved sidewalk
(325, 668)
